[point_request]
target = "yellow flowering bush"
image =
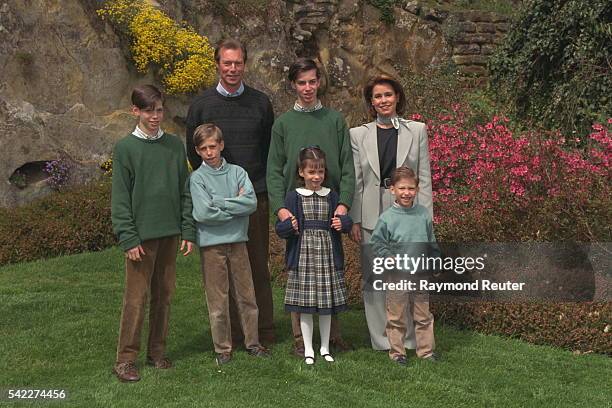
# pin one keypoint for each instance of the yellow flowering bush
(184, 58)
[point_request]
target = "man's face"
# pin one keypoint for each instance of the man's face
(231, 68)
(210, 151)
(306, 85)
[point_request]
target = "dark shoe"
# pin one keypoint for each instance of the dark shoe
(401, 360)
(163, 363)
(223, 358)
(260, 351)
(126, 372)
(339, 345)
(309, 361)
(298, 349)
(432, 358)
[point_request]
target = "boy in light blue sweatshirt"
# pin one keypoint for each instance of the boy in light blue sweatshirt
(223, 198)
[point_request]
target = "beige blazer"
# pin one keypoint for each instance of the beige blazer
(412, 151)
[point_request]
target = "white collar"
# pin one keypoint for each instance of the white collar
(221, 166)
(139, 133)
(396, 205)
(225, 92)
(323, 192)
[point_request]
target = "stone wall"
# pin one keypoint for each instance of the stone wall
(65, 77)
(477, 36)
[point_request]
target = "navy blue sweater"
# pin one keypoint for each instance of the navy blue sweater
(293, 202)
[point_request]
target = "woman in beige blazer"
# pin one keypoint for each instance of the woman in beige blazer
(379, 147)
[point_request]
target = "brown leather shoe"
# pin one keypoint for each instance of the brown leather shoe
(259, 351)
(126, 372)
(223, 358)
(339, 345)
(163, 363)
(298, 349)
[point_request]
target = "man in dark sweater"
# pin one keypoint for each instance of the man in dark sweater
(245, 117)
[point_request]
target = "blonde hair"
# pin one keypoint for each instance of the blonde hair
(205, 131)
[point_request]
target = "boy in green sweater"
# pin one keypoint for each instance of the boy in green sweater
(223, 199)
(150, 210)
(405, 222)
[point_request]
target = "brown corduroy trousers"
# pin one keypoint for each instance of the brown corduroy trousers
(396, 303)
(156, 273)
(225, 270)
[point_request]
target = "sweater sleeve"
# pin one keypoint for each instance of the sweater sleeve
(380, 239)
(274, 175)
(347, 180)
(188, 229)
(204, 209)
(284, 229)
(434, 248)
(268, 121)
(243, 204)
(192, 122)
(124, 225)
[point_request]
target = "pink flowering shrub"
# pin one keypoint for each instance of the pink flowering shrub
(492, 185)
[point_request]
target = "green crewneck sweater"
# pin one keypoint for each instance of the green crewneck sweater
(150, 197)
(222, 215)
(397, 225)
(295, 130)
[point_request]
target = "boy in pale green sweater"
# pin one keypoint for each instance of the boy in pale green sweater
(223, 199)
(406, 222)
(150, 210)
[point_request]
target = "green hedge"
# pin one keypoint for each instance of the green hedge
(69, 222)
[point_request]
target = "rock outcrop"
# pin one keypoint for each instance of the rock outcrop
(66, 77)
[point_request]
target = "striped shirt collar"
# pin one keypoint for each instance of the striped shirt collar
(300, 108)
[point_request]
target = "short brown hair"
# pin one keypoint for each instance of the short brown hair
(302, 65)
(145, 96)
(384, 79)
(403, 172)
(205, 131)
(230, 44)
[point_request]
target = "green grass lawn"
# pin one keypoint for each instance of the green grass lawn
(59, 323)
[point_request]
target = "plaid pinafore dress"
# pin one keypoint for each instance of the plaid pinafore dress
(316, 286)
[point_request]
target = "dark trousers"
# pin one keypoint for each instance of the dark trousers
(155, 273)
(257, 247)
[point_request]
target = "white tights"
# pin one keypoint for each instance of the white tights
(307, 326)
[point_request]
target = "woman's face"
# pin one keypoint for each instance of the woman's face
(384, 100)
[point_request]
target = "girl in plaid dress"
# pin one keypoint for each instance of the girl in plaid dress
(314, 257)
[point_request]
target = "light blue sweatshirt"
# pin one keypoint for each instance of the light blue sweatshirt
(221, 215)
